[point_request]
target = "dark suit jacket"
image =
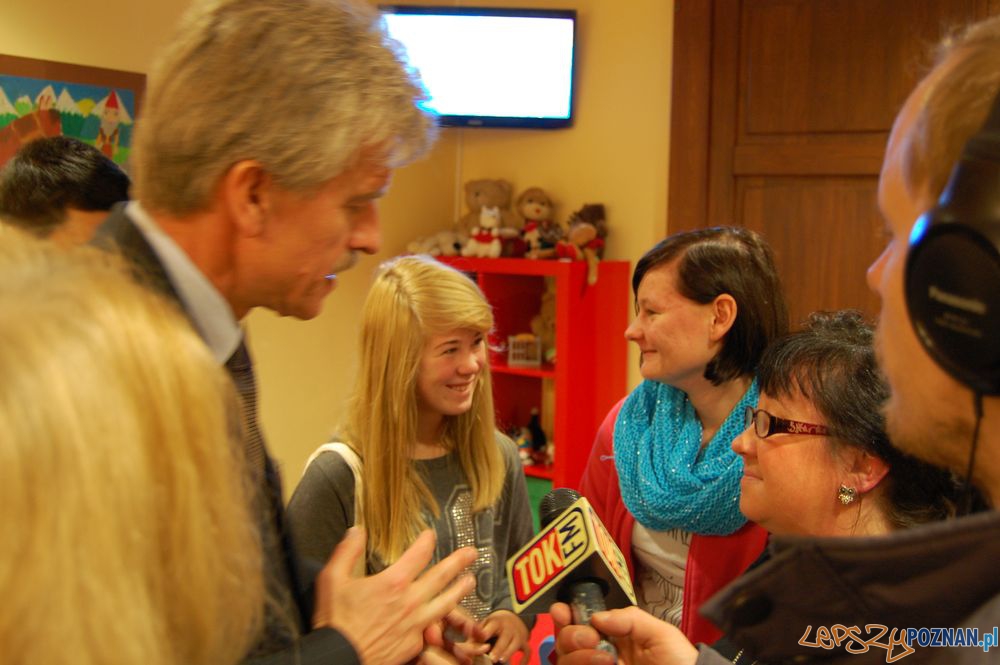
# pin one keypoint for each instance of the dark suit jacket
(325, 645)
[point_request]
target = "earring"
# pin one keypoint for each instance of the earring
(847, 495)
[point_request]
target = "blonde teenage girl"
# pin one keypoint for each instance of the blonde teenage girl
(422, 443)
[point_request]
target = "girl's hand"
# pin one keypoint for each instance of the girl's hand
(509, 635)
(457, 635)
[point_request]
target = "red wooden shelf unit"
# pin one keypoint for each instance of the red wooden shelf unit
(589, 374)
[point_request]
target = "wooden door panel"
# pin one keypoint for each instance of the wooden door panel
(853, 155)
(824, 233)
(835, 66)
(779, 122)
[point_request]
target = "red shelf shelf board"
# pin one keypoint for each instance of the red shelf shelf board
(513, 266)
(536, 471)
(544, 371)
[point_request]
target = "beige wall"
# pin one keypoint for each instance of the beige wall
(616, 154)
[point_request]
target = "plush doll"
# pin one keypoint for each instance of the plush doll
(594, 214)
(487, 193)
(442, 243)
(582, 243)
(522, 437)
(540, 230)
(484, 239)
(543, 324)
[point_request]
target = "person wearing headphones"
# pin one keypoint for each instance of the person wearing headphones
(938, 343)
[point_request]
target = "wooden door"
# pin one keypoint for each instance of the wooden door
(781, 111)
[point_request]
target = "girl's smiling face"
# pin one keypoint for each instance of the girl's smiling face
(449, 372)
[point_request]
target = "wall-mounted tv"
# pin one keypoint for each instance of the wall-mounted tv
(490, 67)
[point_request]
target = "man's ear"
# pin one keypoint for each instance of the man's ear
(865, 471)
(246, 190)
(723, 315)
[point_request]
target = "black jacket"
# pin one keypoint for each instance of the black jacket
(327, 646)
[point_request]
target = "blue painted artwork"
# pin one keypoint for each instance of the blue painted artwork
(30, 108)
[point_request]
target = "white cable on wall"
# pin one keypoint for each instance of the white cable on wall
(459, 146)
(459, 152)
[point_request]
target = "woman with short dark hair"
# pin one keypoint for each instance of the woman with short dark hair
(662, 474)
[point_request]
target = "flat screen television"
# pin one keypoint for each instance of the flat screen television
(490, 67)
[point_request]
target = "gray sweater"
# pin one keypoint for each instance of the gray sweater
(322, 509)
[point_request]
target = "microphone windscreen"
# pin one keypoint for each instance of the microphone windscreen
(555, 503)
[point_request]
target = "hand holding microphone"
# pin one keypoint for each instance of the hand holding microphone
(573, 559)
(641, 639)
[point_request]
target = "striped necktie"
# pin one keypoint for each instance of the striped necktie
(281, 625)
(240, 368)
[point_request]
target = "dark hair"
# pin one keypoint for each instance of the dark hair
(733, 260)
(831, 362)
(51, 174)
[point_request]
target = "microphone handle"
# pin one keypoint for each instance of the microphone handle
(585, 599)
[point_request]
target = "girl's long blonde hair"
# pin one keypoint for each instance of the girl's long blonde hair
(126, 531)
(413, 298)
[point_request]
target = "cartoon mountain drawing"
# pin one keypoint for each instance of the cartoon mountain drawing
(6, 108)
(66, 103)
(72, 116)
(46, 99)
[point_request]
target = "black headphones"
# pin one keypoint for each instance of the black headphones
(953, 266)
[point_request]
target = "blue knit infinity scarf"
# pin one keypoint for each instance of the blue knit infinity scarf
(667, 479)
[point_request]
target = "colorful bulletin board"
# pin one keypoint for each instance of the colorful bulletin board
(43, 98)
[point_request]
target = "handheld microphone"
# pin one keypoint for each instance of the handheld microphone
(573, 559)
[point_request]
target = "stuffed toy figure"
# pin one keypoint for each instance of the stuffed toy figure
(486, 193)
(582, 243)
(484, 239)
(543, 324)
(442, 243)
(594, 214)
(540, 231)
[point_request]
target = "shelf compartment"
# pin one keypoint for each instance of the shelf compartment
(543, 371)
(589, 375)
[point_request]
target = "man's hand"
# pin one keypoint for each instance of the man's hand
(641, 639)
(385, 615)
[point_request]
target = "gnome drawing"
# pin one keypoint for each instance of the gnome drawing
(109, 133)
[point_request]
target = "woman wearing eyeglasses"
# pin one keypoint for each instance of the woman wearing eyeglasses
(662, 474)
(816, 458)
(816, 462)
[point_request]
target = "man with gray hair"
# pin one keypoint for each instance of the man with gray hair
(270, 128)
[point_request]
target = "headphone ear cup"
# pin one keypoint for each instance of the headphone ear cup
(952, 286)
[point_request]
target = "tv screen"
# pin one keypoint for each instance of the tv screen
(490, 67)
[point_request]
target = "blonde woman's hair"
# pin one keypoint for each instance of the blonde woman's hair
(955, 107)
(302, 86)
(126, 533)
(413, 298)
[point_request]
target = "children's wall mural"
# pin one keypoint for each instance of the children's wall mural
(42, 98)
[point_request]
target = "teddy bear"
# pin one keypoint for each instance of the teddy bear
(487, 193)
(543, 324)
(540, 231)
(442, 243)
(484, 240)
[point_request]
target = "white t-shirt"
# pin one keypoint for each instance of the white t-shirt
(660, 560)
